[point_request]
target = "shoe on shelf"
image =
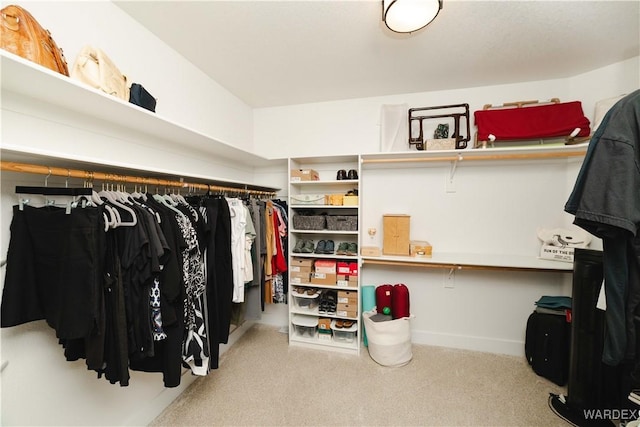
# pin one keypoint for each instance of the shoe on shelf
(347, 323)
(352, 249)
(320, 248)
(329, 247)
(342, 248)
(307, 247)
(352, 174)
(298, 247)
(342, 174)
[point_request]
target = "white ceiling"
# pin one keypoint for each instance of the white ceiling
(273, 53)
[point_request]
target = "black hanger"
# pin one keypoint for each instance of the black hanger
(54, 191)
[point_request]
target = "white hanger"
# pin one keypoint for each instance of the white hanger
(112, 198)
(111, 216)
(178, 198)
(168, 203)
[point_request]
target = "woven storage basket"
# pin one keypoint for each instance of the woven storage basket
(342, 222)
(309, 222)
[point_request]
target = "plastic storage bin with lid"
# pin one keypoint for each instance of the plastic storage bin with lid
(305, 326)
(304, 300)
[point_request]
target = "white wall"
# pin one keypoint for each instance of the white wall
(613, 80)
(185, 94)
(495, 209)
(353, 126)
(501, 210)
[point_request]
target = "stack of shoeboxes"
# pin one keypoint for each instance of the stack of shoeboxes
(324, 273)
(342, 274)
(347, 300)
(347, 274)
(300, 270)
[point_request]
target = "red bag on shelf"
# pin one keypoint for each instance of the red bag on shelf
(400, 301)
(383, 298)
(538, 121)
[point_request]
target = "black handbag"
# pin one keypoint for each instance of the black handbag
(138, 95)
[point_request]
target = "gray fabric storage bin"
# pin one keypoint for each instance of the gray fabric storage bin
(309, 222)
(342, 222)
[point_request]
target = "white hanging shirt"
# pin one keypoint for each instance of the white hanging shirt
(250, 235)
(238, 242)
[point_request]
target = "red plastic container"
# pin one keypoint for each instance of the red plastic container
(400, 301)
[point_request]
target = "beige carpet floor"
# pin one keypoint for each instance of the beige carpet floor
(262, 381)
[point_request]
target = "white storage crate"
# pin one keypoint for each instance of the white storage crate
(307, 199)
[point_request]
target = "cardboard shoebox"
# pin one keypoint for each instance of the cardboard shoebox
(342, 267)
(324, 278)
(299, 277)
(347, 281)
(304, 175)
(347, 310)
(353, 269)
(348, 297)
(300, 265)
(324, 324)
(325, 266)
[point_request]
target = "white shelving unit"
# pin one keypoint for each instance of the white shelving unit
(301, 314)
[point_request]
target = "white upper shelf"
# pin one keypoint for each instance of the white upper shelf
(32, 80)
(526, 153)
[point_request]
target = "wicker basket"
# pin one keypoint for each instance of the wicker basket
(309, 222)
(342, 222)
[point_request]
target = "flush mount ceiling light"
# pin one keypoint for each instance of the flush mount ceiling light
(407, 16)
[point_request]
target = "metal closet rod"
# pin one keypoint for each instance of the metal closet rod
(116, 178)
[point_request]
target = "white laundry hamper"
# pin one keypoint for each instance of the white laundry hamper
(389, 342)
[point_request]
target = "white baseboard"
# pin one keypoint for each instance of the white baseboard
(466, 342)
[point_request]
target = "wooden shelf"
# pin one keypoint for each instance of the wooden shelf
(323, 207)
(461, 261)
(525, 153)
(326, 182)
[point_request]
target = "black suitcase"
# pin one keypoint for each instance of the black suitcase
(547, 345)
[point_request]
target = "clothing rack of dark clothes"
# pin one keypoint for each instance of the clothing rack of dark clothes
(128, 281)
